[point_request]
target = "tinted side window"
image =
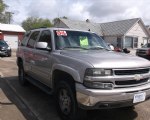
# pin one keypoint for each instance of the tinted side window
(32, 39)
(25, 39)
(46, 37)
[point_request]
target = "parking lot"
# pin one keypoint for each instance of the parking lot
(30, 103)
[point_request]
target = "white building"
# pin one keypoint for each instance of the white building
(11, 34)
(130, 33)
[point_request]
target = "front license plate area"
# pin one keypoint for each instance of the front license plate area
(139, 97)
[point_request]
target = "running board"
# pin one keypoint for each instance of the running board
(39, 85)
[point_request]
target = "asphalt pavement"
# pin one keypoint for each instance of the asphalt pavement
(30, 103)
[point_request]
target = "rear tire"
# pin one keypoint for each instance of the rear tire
(21, 75)
(66, 102)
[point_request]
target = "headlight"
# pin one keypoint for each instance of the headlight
(98, 85)
(8, 48)
(98, 72)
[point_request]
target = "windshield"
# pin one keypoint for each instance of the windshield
(146, 45)
(77, 39)
(3, 43)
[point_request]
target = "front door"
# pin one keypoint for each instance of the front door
(42, 59)
(28, 53)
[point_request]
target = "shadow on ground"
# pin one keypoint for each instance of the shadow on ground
(42, 105)
(11, 107)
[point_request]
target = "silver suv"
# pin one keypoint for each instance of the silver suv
(81, 71)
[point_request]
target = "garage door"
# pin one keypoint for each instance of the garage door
(12, 40)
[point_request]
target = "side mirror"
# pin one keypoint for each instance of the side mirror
(42, 46)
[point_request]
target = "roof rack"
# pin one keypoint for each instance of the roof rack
(37, 28)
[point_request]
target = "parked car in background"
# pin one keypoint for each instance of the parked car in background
(117, 49)
(111, 46)
(5, 50)
(144, 51)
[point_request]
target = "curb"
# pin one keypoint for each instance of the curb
(1, 75)
(20, 98)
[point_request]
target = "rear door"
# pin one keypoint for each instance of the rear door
(42, 59)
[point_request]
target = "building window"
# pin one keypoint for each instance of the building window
(131, 42)
(135, 42)
(145, 40)
(119, 42)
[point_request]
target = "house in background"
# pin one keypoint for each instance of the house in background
(11, 34)
(148, 29)
(130, 33)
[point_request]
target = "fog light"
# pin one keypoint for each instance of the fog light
(98, 85)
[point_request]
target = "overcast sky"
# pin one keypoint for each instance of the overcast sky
(95, 10)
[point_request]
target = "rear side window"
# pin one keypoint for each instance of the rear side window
(25, 39)
(32, 39)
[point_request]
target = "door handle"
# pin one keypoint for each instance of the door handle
(32, 62)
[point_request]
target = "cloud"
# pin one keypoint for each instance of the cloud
(105, 8)
(57, 8)
(17, 7)
(110, 10)
(95, 10)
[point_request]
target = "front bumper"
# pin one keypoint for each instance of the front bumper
(5, 52)
(103, 99)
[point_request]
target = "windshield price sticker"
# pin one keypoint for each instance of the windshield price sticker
(83, 41)
(61, 33)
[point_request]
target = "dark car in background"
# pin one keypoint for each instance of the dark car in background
(5, 50)
(144, 51)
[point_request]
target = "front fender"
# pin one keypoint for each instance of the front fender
(74, 73)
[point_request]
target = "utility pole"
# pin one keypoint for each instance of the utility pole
(9, 16)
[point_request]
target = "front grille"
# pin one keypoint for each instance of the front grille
(131, 72)
(142, 51)
(131, 82)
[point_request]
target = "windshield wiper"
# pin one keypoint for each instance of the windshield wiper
(84, 48)
(97, 48)
(78, 47)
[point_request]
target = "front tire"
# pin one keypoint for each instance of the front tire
(21, 76)
(66, 102)
(9, 54)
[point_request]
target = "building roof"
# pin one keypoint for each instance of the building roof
(148, 28)
(11, 28)
(116, 28)
(82, 25)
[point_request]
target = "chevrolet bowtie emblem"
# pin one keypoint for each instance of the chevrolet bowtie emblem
(138, 77)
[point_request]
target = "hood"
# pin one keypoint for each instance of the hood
(107, 59)
(143, 48)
